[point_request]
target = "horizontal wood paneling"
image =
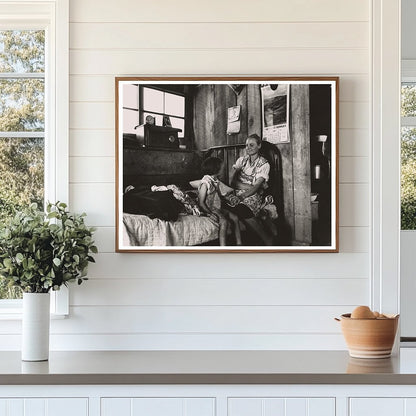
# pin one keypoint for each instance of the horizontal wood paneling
(218, 11)
(354, 142)
(354, 170)
(94, 88)
(230, 266)
(354, 205)
(354, 239)
(299, 61)
(94, 143)
(91, 115)
(218, 35)
(99, 88)
(200, 319)
(217, 291)
(195, 319)
(88, 169)
(143, 342)
(104, 238)
(96, 199)
(354, 115)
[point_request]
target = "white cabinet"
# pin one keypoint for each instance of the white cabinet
(391, 406)
(157, 406)
(208, 400)
(44, 407)
(281, 406)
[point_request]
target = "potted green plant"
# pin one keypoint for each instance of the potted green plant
(41, 251)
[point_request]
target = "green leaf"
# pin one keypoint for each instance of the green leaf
(56, 261)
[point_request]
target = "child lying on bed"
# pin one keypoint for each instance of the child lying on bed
(210, 190)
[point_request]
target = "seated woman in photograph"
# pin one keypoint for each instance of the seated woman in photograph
(249, 178)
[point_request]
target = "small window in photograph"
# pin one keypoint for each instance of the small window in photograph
(158, 104)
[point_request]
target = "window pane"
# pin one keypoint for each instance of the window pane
(178, 123)
(408, 100)
(408, 178)
(22, 51)
(22, 105)
(21, 173)
(174, 105)
(131, 96)
(152, 100)
(130, 120)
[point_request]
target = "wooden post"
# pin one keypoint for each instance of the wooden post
(300, 139)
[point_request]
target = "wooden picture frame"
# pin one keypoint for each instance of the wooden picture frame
(291, 124)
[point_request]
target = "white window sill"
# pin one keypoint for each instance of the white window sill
(11, 309)
(17, 316)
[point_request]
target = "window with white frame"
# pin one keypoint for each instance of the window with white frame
(22, 125)
(408, 150)
(33, 112)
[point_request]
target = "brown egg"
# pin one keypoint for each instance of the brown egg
(362, 312)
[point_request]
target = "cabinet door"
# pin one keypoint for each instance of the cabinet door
(44, 407)
(154, 406)
(281, 406)
(377, 406)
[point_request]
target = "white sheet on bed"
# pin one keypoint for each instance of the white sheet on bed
(188, 230)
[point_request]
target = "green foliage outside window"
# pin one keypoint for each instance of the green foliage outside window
(408, 179)
(408, 160)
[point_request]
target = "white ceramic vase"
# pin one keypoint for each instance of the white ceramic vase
(35, 326)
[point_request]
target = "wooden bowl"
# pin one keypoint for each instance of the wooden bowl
(369, 338)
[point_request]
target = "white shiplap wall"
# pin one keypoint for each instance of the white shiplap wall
(214, 301)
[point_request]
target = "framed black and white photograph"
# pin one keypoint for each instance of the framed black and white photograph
(218, 164)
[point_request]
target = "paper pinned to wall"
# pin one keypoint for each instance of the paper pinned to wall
(275, 112)
(233, 119)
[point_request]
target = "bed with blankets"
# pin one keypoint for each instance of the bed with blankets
(161, 209)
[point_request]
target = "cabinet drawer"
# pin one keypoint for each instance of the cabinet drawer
(277, 406)
(44, 407)
(157, 406)
(382, 406)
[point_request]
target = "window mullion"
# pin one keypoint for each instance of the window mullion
(22, 134)
(22, 75)
(408, 121)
